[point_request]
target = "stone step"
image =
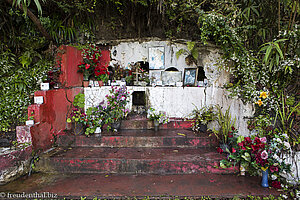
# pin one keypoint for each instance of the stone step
(141, 138)
(133, 161)
(113, 186)
(144, 124)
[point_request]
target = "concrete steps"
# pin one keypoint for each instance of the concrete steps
(141, 138)
(136, 151)
(133, 161)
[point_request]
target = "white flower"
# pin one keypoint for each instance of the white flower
(287, 145)
(274, 177)
(279, 140)
(284, 196)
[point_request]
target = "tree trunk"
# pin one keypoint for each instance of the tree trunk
(35, 20)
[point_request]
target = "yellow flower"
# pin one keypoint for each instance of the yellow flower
(259, 102)
(263, 95)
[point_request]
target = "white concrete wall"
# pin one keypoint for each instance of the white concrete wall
(179, 102)
(132, 52)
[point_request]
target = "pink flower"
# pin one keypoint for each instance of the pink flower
(264, 155)
(233, 150)
(263, 139)
(273, 168)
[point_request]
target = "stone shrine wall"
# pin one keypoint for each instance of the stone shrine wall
(177, 102)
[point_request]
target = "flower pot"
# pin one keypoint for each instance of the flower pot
(100, 83)
(156, 125)
(264, 181)
(116, 125)
(78, 128)
(85, 83)
(203, 127)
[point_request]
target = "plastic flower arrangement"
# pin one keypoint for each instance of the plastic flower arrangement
(91, 60)
(159, 116)
(255, 153)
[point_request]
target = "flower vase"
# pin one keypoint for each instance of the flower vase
(116, 125)
(264, 181)
(156, 125)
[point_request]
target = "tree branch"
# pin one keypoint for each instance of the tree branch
(35, 20)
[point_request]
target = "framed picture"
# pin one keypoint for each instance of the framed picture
(155, 76)
(171, 77)
(190, 76)
(156, 57)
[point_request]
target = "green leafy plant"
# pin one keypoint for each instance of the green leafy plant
(203, 116)
(225, 124)
(287, 114)
(79, 100)
(79, 119)
(192, 53)
(273, 53)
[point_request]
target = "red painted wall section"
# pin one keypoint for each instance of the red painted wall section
(69, 58)
(105, 57)
(52, 115)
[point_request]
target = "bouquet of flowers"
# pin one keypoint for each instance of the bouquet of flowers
(255, 153)
(159, 116)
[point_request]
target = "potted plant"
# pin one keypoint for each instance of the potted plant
(158, 117)
(114, 109)
(101, 74)
(91, 58)
(225, 127)
(129, 80)
(78, 118)
(202, 117)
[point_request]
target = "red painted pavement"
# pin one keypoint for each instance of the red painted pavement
(109, 186)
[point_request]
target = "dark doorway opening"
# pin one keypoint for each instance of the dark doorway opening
(138, 98)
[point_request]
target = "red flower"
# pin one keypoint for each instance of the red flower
(219, 150)
(233, 150)
(87, 66)
(248, 139)
(230, 135)
(233, 128)
(276, 184)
